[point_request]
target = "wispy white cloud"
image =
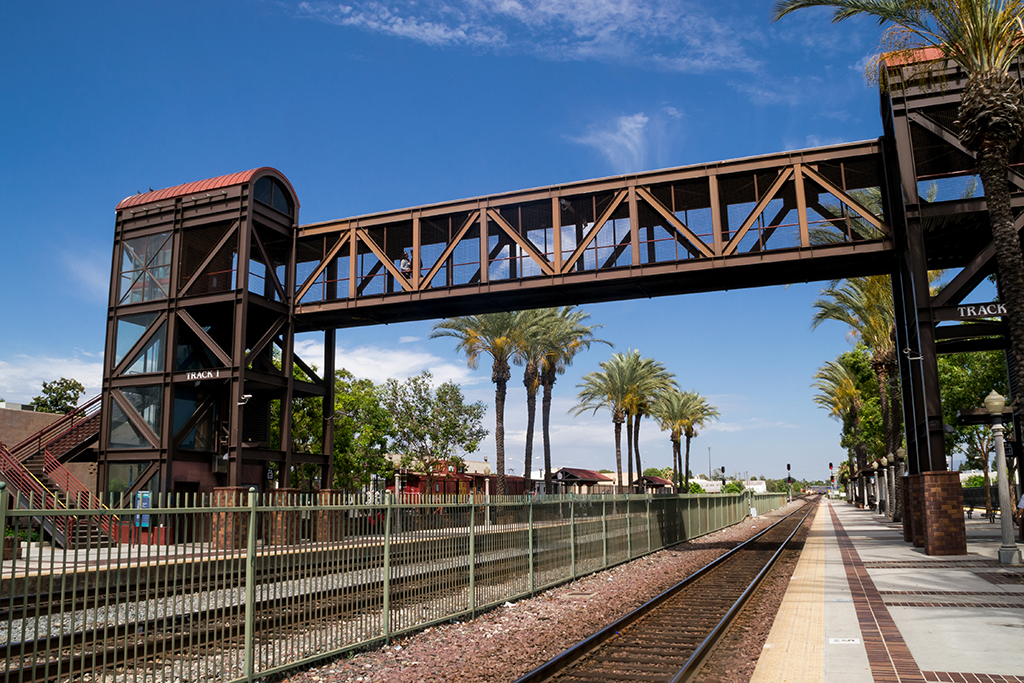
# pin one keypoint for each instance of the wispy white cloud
(677, 35)
(22, 376)
(624, 144)
(811, 141)
(409, 340)
(380, 364)
(747, 425)
(89, 274)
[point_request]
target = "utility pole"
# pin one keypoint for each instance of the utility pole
(709, 464)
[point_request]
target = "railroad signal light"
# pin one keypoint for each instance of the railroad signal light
(830, 467)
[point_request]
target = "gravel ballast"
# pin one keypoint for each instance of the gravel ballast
(512, 640)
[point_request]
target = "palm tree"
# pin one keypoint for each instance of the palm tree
(984, 38)
(648, 380)
(695, 414)
(671, 410)
(531, 347)
(609, 389)
(866, 305)
(493, 334)
(566, 337)
(838, 393)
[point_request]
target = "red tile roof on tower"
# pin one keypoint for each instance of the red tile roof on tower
(198, 186)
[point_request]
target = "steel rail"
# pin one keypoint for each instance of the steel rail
(697, 658)
(570, 656)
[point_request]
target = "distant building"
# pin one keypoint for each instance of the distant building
(574, 480)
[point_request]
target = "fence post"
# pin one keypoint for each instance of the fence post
(629, 530)
(250, 584)
(472, 564)
(649, 546)
(3, 525)
(572, 535)
(530, 531)
(604, 533)
(386, 605)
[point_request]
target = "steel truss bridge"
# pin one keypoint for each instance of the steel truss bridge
(213, 279)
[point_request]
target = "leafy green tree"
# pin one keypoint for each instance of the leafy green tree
(432, 428)
(964, 381)
(696, 488)
(363, 429)
(984, 38)
(733, 487)
(59, 396)
(495, 335)
(974, 481)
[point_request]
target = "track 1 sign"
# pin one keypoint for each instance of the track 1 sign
(992, 309)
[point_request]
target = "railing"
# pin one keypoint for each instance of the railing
(235, 586)
(59, 429)
(30, 494)
(77, 492)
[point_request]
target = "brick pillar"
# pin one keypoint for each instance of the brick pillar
(944, 531)
(282, 526)
(230, 530)
(328, 525)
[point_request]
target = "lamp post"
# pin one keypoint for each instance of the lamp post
(898, 483)
(875, 488)
(883, 465)
(1009, 553)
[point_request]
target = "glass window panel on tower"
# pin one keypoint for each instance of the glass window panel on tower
(130, 329)
(151, 357)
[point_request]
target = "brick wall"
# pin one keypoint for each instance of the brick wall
(329, 525)
(230, 530)
(282, 526)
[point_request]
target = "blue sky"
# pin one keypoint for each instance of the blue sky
(368, 106)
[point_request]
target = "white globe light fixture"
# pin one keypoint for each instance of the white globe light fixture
(1009, 553)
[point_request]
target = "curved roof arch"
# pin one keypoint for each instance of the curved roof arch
(217, 183)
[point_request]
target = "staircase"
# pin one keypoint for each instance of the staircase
(38, 480)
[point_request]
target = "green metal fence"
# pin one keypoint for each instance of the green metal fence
(240, 585)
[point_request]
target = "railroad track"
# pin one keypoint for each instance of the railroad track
(669, 637)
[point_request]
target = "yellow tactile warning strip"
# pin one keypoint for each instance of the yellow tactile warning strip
(795, 649)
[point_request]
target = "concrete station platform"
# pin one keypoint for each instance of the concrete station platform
(863, 605)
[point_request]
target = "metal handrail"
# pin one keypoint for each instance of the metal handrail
(70, 484)
(38, 496)
(50, 433)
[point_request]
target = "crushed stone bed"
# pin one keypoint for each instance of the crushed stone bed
(512, 640)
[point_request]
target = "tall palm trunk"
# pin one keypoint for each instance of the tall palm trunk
(993, 163)
(500, 374)
(530, 382)
(686, 466)
(545, 419)
(629, 452)
(677, 463)
(617, 419)
(636, 447)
